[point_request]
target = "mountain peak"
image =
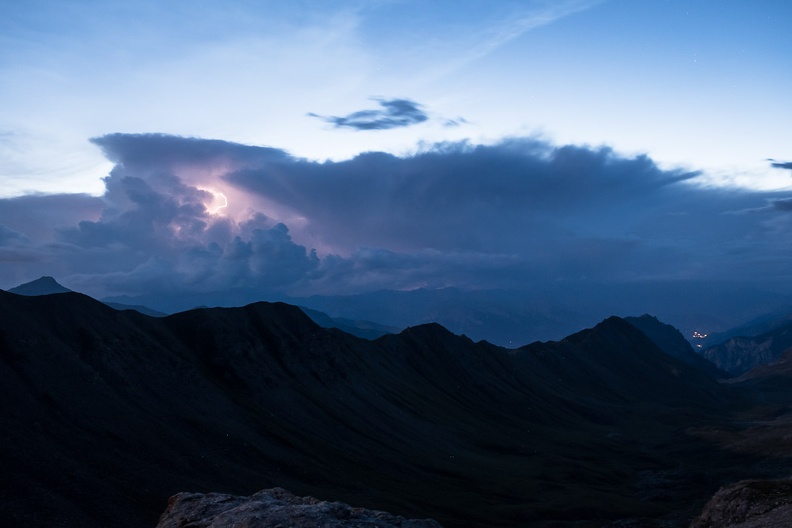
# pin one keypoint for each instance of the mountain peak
(673, 343)
(428, 330)
(45, 285)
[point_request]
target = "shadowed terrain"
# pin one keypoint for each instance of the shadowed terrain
(107, 413)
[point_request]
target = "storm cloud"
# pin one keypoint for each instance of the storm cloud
(395, 113)
(188, 214)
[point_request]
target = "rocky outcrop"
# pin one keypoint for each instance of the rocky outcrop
(741, 354)
(749, 504)
(274, 508)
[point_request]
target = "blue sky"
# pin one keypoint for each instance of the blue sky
(701, 84)
(572, 146)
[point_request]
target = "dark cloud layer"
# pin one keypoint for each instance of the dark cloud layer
(185, 214)
(395, 113)
(40, 215)
(782, 165)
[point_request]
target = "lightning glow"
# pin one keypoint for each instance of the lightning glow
(219, 203)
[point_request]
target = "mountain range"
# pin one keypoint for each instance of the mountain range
(508, 318)
(48, 285)
(107, 413)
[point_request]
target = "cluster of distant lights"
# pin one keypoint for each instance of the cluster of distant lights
(698, 335)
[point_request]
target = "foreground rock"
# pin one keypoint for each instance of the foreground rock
(274, 508)
(749, 504)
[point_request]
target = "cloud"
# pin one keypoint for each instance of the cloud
(192, 215)
(502, 198)
(39, 215)
(781, 165)
(395, 113)
(455, 122)
(782, 204)
(9, 237)
(158, 230)
(460, 37)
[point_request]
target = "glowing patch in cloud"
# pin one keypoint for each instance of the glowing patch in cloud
(217, 204)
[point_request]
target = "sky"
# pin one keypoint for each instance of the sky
(315, 147)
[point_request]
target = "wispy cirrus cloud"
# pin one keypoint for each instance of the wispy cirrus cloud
(454, 44)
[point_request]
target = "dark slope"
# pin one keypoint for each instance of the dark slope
(616, 362)
(773, 373)
(672, 342)
(107, 413)
(99, 411)
(771, 383)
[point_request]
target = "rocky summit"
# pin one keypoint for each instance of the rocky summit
(275, 508)
(749, 504)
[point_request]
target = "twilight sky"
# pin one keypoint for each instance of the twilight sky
(334, 147)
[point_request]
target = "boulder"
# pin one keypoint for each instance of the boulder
(275, 508)
(749, 504)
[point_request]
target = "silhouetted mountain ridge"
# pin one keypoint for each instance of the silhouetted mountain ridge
(107, 413)
(47, 285)
(42, 286)
(672, 342)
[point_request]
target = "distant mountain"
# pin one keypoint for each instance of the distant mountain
(41, 286)
(500, 317)
(506, 317)
(136, 307)
(672, 342)
(756, 326)
(107, 413)
(47, 285)
(739, 355)
(364, 329)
